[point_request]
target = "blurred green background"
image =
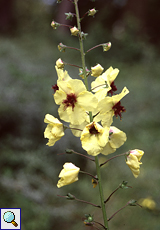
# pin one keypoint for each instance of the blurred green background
(28, 168)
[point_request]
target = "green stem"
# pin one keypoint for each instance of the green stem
(90, 114)
(101, 193)
(81, 44)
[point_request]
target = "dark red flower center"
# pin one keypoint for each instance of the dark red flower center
(113, 88)
(118, 109)
(70, 101)
(55, 87)
(93, 130)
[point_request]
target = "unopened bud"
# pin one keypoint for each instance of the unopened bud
(74, 31)
(70, 196)
(89, 220)
(60, 64)
(124, 184)
(69, 151)
(92, 12)
(106, 46)
(132, 202)
(83, 35)
(69, 16)
(54, 25)
(61, 47)
(81, 72)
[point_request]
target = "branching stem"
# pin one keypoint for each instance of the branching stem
(83, 201)
(123, 154)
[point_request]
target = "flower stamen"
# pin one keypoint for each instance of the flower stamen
(93, 130)
(113, 88)
(118, 109)
(70, 101)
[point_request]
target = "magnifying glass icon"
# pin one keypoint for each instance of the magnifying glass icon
(9, 217)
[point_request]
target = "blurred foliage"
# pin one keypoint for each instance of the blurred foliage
(29, 169)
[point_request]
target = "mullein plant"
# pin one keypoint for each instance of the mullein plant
(89, 111)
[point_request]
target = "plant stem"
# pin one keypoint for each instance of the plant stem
(80, 154)
(90, 114)
(83, 201)
(111, 194)
(81, 44)
(88, 174)
(101, 193)
(123, 154)
(94, 47)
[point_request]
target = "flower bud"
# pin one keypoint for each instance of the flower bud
(60, 64)
(83, 35)
(74, 31)
(69, 16)
(92, 12)
(55, 25)
(96, 70)
(89, 220)
(61, 47)
(69, 151)
(132, 202)
(124, 184)
(81, 72)
(70, 196)
(106, 46)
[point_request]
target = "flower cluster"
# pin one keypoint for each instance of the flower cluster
(90, 114)
(88, 110)
(76, 104)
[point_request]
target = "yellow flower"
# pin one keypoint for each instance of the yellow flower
(62, 75)
(74, 101)
(102, 85)
(74, 31)
(94, 137)
(133, 161)
(116, 139)
(92, 12)
(77, 129)
(54, 130)
(96, 70)
(68, 175)
(103, 81)
(112, 105)
(148, 203)
(59, 64)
